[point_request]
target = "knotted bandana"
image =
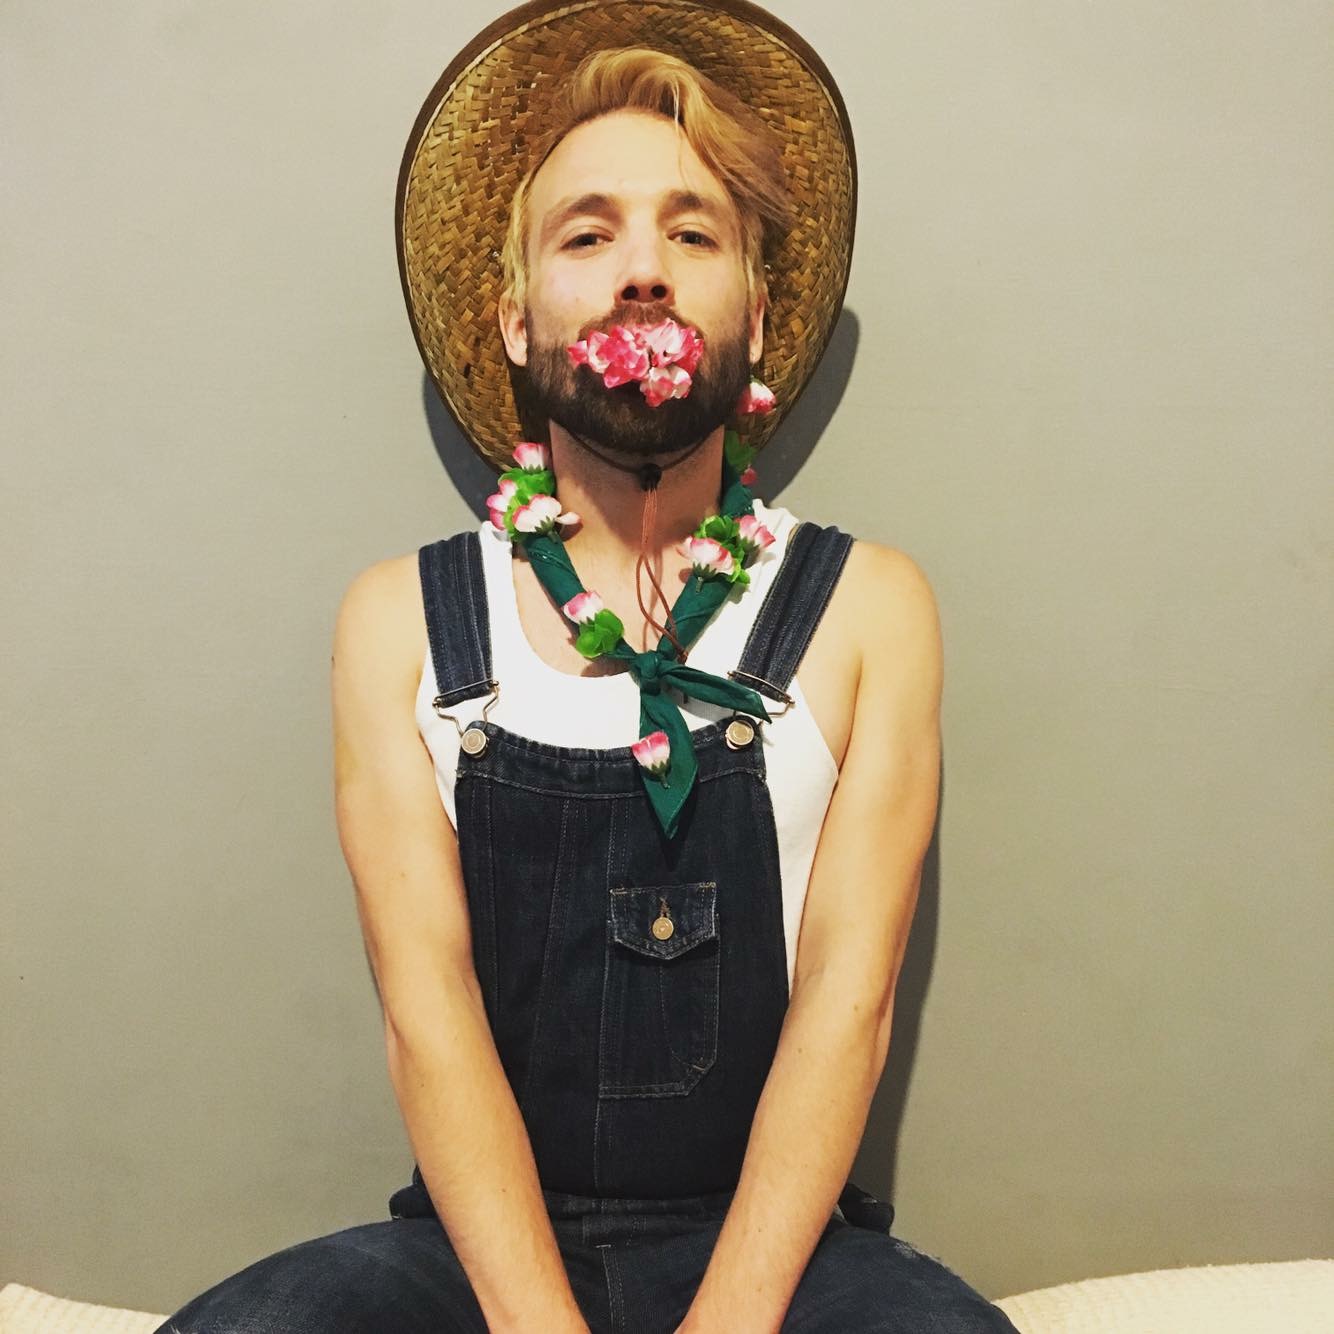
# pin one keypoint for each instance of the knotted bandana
(659, 670)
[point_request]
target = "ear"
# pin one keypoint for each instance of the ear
(757, 330)
(513, 329)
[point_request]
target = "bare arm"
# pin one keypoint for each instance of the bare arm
(859, 910)
(460, 1113)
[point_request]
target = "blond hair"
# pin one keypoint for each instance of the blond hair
(729, 138)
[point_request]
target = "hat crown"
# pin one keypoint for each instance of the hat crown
(491, 109)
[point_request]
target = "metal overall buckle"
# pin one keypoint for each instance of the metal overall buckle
(741, 731)
(473, 738)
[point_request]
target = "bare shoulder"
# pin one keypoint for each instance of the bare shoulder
(380, 617)
(895, 606)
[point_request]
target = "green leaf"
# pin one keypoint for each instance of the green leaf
(738, 455)
(721, 528)
(600, 635)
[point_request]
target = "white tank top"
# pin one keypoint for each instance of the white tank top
(546, 704)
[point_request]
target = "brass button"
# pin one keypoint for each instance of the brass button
(663, 928)
(473, 740)
(740, 733)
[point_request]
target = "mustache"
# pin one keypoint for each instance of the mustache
(636, 312)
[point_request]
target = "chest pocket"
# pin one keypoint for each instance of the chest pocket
(659, 1022)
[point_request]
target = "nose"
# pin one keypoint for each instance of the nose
(645, 277)
(646, 289)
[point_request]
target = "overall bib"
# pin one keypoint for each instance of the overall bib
(635, 986)
(636, 989)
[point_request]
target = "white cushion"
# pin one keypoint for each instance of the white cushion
(28, 1311)
(1282, 1297)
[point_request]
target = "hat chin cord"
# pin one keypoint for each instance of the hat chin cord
(649, 476)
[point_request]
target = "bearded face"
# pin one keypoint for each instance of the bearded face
(621, 419)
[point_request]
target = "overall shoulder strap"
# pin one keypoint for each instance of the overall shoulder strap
(791, 610)
(457, 622)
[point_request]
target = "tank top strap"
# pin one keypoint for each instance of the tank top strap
(458, 623)
(787, 619)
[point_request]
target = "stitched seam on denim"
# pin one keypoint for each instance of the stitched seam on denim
(461, 663)
(794, 636)
(692, 1073)
(558, 903)
(824, 565)
(808, 584)
(702, 912)
(463, 590)
(792, 605)
(493, 929)
(428, 565)
(708, 734)
(483, 621)
(602, 1014)
(471, 772)
(459, 660)
(615, 1296)
(769, 608)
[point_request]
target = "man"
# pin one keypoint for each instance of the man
(634, 1067)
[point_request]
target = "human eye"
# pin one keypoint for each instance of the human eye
(704, 240)
(577, 242)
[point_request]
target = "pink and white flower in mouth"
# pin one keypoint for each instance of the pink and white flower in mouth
(708, 557)
(754, 535)
(629, 358)
(664, 382)
(673, 344)
(757, 398)
(497, 504)
(540, 515)
(661, 357)
(653, 751)
(532, 457)
(583, 607)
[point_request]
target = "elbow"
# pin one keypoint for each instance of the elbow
(426, 1018)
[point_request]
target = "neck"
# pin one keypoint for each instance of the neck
(610, 500)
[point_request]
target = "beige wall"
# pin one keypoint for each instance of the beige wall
(1087, 355)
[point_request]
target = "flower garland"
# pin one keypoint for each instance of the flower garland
(524, 507)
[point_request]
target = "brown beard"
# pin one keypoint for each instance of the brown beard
(621, 419)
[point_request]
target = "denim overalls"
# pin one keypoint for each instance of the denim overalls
(635, 986)
(636, 989)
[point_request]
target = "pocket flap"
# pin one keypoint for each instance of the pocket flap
(692, 908)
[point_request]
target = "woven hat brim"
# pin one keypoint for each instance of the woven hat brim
(469, 149)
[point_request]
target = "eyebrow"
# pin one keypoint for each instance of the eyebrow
(595, 202)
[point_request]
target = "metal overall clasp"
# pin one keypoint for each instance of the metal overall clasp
(472, 739)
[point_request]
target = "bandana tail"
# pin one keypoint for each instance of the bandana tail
(667, 794)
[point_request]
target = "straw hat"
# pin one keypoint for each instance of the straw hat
(469, 149)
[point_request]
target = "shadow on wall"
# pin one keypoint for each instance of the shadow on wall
(876, 1165)
(777, 463)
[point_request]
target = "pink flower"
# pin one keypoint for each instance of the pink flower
(754, 535)
(707, 556)
(664, 382)
(755, 397)
(540, 515)
(532, 457)
(629, 361)
(618, 355)
(579, 352)
(653, 752)
(497, 504)
(673, 344)
(583, 607)
(749, 477)
(661, 357)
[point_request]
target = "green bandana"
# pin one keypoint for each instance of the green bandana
(658, 669)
